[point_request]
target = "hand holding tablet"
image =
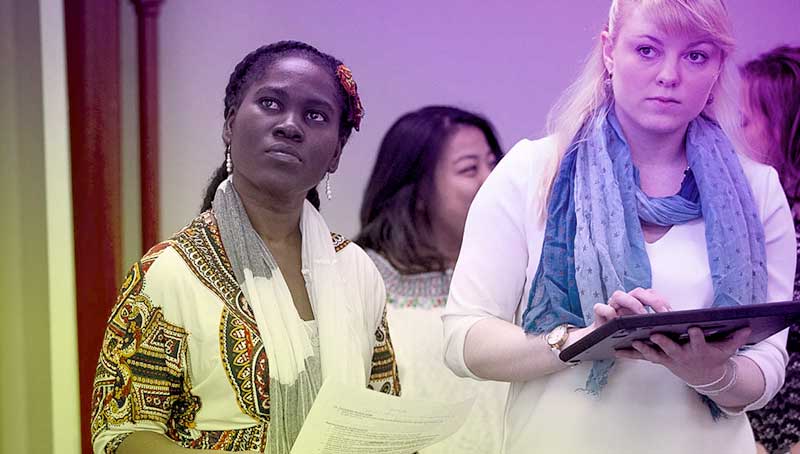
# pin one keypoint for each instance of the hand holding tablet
(716, 324)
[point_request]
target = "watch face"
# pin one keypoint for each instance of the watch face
(554, 337)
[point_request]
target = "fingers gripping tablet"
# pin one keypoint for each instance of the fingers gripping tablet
(717, 324)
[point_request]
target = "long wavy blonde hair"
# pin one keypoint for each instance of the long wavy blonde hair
(587, 97)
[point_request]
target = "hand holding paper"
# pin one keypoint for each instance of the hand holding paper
(348, 420)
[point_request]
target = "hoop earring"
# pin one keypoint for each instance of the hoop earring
(328, 192)
(228, 161)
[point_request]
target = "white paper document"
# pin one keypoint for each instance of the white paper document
(346, 420)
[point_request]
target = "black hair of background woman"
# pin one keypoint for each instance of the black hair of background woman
(394, 212)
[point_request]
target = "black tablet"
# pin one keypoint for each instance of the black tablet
(717, 323)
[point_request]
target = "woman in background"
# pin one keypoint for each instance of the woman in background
(771, 123)
(430, 165)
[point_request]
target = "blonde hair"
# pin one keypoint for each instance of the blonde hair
(587, 97)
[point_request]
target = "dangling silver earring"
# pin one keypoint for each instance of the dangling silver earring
(228, 161)
(607, 83)
(328, 192)
(710, 99)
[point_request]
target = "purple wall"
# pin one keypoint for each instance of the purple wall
(508, 60)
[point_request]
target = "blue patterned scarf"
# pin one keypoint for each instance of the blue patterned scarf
(594, 245)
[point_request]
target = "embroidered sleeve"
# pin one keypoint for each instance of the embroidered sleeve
(142, 380)
(113, 444)
(383, 376)
(339, 241)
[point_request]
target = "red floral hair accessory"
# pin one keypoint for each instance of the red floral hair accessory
(349, 85)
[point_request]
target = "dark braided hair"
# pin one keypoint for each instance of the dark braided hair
(251, 68)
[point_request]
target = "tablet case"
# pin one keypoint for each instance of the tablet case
(717, 323)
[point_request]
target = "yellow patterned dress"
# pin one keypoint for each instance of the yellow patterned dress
(182, 355)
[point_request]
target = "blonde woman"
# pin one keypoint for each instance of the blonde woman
(637, 201)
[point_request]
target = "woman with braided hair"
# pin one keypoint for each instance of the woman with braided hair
(223, 334)
(771, 125)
